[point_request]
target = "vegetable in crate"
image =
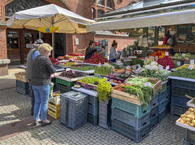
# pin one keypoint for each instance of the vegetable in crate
(185, 73)
(166, 61)
(71, 74)
(104, 90)
(188, 118)
(103, 86)
(142, 92)
(83, 67)
(96, 59)
(103, 70)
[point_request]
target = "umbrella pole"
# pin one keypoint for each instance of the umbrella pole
(39, 35)
(53, 44)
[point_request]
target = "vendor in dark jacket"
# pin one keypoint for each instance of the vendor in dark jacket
(90, 50)
(42, 70)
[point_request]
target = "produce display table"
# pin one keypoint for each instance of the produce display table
(182, 79)
(161, 48)
(86, 91)
(185, 126)
(191, 104)
(86, 72)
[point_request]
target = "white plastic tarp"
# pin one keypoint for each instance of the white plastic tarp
(163, 19)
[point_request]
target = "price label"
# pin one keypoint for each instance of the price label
(191, 67)
(192, 61)
(178, 63)
(166, 53)
(68, 69)
(167, 67)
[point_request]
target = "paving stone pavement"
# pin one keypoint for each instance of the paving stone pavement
(16, 107)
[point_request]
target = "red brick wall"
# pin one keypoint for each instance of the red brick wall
(3, 46)
(122, 41)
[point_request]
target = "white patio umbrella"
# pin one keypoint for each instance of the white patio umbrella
(49, 18)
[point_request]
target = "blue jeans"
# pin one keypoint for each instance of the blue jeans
(41, 94)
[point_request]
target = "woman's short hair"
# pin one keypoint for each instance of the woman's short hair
(114, 43)
(45, 47)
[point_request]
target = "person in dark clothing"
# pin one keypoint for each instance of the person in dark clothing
(90, 50)
(42, 70)
(33, 53)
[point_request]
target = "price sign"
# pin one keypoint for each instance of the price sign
(167, 67)
(191, 67)
(192, 61)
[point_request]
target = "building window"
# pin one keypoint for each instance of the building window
(12, 40)
(100, 13)
(101, 2)
(119, 1)
(93, 10)
(109, 4)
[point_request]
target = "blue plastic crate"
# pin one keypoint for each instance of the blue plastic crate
(93, 105)
(163, 95)
(105, 114)
(92, 109)
(92, 119)
(162, 115)
(164, 85)
(179, 101)
(154, 113)
(176, 110)
(188, 142)
(128, 131)
(154, 102)
(21, 84)
(93, 100)
(22, 87)
(74, 106)
(62, 88)
(180, 92)
(190, 136)
(129, 119)
(137, 110)
(183, 84)
(154, 122)
(163, 106)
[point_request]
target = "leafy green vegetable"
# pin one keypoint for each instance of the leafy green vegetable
(104, 90)
(185, 73)
(103, 86)
(143, 93)
(103, 70)
(83, 68)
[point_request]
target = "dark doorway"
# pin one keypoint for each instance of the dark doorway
(60, 46)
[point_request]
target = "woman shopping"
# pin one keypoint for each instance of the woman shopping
(42, 70)
(113, 55)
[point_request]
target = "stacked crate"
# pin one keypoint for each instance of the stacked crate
(62, 85)
(180, 88)
(74, 109)
(136, 121)
(130, 120)
(22, 87)
(190, 138)
(164, 100)
(105, 114)
(154, 113)
(93, 109)
(54, 109)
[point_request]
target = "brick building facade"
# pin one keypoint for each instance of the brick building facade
(9, 38)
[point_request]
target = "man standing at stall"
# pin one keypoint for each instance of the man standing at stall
(33, 53)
